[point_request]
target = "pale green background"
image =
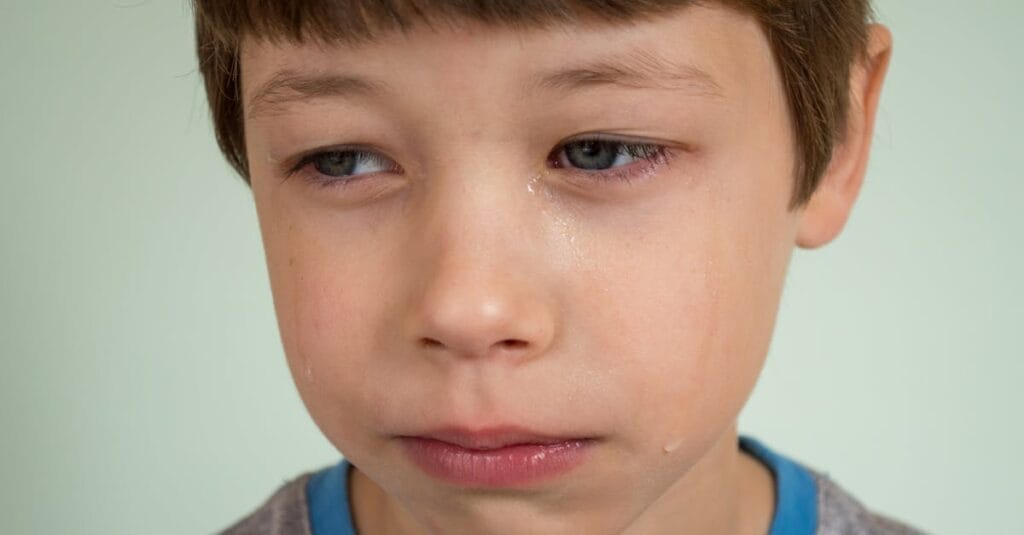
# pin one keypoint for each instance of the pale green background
(142, 383)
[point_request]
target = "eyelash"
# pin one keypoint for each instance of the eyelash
(647, 155)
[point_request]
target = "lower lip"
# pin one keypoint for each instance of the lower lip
(510, 466)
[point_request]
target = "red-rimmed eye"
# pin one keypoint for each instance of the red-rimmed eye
(601, 155)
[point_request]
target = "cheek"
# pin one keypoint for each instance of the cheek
(324, 311)
(320, 318)
(694, 310)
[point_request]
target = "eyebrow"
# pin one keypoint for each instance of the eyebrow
(636, 70)
(289, 86)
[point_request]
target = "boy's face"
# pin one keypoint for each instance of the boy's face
(482, 266)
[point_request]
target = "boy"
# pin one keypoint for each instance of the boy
(526, 255)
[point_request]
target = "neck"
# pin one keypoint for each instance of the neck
(727, 492)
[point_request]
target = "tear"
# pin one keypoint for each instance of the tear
(307, 372)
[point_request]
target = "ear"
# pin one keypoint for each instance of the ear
(829, 208)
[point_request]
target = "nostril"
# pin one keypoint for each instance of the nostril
(513, 344)
(430, 343)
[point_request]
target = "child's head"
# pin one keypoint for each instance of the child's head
(497, 222)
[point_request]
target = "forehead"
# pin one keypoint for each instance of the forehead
(713, 53)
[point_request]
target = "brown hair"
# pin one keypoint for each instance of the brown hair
(815, 43)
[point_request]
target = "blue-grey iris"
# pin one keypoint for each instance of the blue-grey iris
(592, 155)
(338, 163)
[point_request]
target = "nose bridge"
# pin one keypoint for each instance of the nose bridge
(481, 286)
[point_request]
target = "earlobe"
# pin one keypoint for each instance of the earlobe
(827, 211)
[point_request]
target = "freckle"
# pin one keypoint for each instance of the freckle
(291, 261)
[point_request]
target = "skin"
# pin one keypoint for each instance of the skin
(474, 283)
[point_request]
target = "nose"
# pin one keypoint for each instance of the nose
(481, 286)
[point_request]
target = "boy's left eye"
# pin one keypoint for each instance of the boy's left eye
(595, 155)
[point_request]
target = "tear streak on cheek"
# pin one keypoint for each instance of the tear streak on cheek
(305, 313)
(307, 372)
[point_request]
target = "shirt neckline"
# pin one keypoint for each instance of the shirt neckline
(796, 491)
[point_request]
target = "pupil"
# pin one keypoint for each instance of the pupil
(592, 155)
(336, 164)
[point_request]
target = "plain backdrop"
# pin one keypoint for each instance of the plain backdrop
(143, 388)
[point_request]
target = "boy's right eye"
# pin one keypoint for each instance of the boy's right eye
(342, 166)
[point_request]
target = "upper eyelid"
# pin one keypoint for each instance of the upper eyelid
(655, 148)
(609, 138)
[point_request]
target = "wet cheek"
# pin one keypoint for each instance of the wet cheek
(322, 271)
(744, 299)
(655, 322)
(322, 318)
(329, 351)
(686, 336)
(696, 367)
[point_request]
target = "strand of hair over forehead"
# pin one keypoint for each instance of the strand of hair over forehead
(360, 20)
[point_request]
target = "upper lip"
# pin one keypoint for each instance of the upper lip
(492, 438)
